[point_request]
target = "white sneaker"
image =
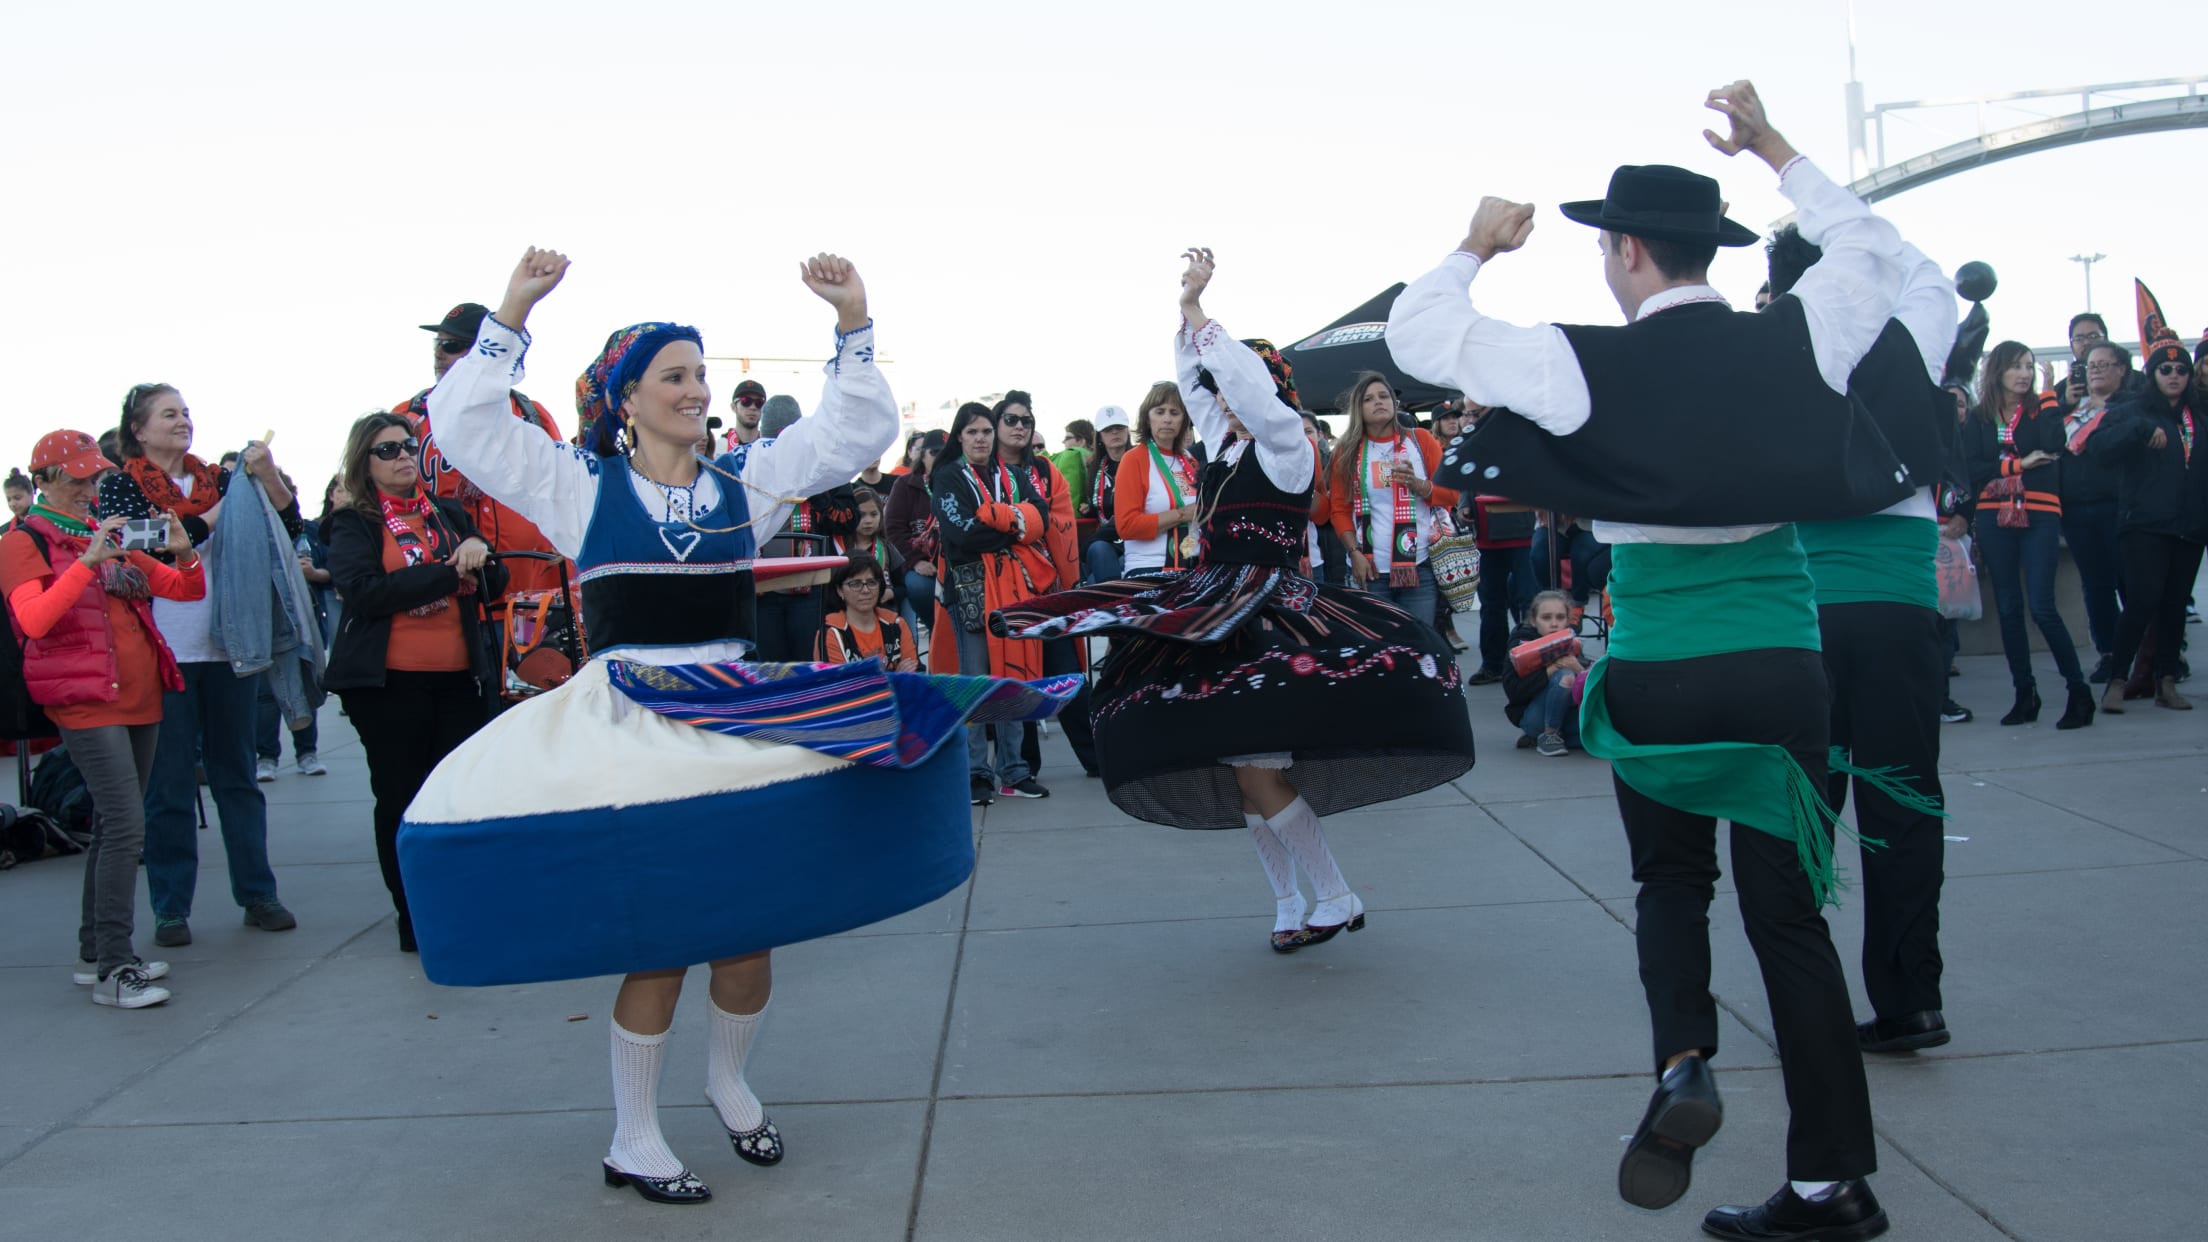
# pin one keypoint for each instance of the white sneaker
(310, 764)
(264, 770)
(88, 973)
(127, 989)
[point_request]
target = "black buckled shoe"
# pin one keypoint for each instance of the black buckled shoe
(761, 1145)
(1684, 1114)
(1848, 1213)
(683, 1187)
(1923, 1029)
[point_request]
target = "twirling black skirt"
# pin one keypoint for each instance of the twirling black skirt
(1225, 661)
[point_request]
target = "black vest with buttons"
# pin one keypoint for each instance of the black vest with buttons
(1700, 416)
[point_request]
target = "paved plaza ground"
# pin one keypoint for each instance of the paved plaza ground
(1091, 1041)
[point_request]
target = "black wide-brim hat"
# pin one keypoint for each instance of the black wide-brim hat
(1662, 203)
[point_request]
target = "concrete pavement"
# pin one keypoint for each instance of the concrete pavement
(1091, 1040)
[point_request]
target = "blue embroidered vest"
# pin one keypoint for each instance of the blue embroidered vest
(651, 584)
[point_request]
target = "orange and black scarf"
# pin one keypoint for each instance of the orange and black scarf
(162, 492)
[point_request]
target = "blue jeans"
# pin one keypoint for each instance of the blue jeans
(1103, 561)
(214, 715)
(1010, 768)
(2090, 530)
(1506, 595)
(2022, 566)
(1416, 600)
(1553, 710)
(1588, 556)
(920, 593)
(268, 731)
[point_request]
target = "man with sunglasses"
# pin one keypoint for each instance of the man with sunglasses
(749, 401)
(506, 530)
(1015, 420)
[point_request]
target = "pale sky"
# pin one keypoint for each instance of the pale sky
(259, 202)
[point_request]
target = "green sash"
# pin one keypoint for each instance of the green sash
(1882, 558)
(1683, 601)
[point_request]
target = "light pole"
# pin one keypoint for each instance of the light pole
(2088, 260)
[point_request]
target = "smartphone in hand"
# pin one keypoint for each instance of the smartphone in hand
(145, 534)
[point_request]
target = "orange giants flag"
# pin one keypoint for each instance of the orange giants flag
(2151, 323)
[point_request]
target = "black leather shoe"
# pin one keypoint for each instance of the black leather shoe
(1923, 1029)
(1683, 1115)
(684, 1187)
(1484, 677)
(1848, 1213)
(761, 1145)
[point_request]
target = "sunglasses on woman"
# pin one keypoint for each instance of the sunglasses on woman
(392, 450)
(1018, 420)
(2173, 368)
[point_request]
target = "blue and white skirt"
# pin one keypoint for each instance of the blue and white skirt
(644, 818)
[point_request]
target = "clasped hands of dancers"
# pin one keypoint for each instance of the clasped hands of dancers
(1202, 713)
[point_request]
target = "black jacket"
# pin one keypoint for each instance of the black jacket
(2160, 493)
(1521, 689)
(2039, 430)
(372, 595)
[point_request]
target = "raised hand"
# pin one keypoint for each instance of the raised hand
(180, 543)
(1196, 277)
(1498, 227)
(1750, 129)
(105, 543)
(535, 276)
(835, 281)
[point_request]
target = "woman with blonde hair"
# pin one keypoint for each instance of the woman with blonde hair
(1154, 501)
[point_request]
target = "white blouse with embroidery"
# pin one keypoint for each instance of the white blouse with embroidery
(556, 485)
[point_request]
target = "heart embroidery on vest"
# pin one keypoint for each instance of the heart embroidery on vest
(688, 539)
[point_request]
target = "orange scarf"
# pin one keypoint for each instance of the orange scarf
(163, 493)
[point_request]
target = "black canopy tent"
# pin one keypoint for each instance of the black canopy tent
(1325, 362)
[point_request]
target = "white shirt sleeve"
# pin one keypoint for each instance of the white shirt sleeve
(1435, 334)
(1928, 307)
(855, 423)
(1247, 388)
(1849, 294)
(553, 485)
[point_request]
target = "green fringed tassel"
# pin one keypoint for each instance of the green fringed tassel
(1812, 844)
(1890, 782)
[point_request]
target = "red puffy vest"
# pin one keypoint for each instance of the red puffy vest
(75, 662)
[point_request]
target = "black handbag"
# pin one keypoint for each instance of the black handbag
(969, 596)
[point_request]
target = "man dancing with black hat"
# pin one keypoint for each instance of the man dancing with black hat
(1711, 701)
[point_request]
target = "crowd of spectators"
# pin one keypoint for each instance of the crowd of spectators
(185, 660)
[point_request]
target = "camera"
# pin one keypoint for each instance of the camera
(145, 534)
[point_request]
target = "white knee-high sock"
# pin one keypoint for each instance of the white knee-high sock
(1280, 871)
(638, 1146)
(724, 1076)
(1298, 828)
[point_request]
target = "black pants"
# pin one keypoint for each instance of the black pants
(1060, 656)
(1888, 670)
(789, 623)
(2158, 577)
(1774, 697)
(406, 726)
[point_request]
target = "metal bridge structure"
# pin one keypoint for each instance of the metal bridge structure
(2110, 110)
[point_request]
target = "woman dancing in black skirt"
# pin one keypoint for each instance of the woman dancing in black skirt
(1242, 692)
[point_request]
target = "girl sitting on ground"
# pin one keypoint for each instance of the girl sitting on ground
(1544, 703)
